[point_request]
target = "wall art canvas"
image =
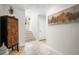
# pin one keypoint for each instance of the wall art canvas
(69, 15)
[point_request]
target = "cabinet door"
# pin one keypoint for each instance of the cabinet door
(12, 32)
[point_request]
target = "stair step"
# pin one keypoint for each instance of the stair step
(29, 36)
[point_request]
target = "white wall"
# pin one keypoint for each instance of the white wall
(1, 9)
(20, 14)
(42, 26)
(34, 26)
(64, 37)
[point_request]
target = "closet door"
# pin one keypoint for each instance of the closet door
(12, 31)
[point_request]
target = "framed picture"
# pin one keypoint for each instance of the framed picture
(69, 15)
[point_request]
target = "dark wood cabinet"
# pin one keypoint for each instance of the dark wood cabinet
(9, 31)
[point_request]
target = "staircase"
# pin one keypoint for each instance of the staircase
(29, 36)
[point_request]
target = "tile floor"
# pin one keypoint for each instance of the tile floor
(35, 48)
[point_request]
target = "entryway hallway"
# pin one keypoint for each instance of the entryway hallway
(39, 34)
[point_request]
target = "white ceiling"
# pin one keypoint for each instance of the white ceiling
(40, 8)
